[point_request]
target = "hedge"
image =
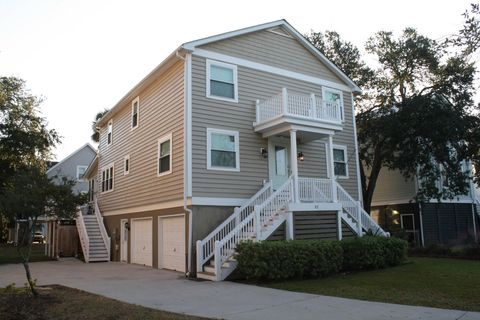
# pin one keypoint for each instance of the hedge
(274, 260)
(277, 260)
(367, 253)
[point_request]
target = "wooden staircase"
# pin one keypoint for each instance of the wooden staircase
(92, 233)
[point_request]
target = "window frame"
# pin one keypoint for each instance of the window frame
(233, 67)
(106, 168)
(137, 101)
(209, 149)
(125, 169)
(340, 93)
(345, 153)
(110, 132)
(160, 141)
(85, 169)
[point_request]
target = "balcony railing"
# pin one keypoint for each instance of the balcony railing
(310, 107)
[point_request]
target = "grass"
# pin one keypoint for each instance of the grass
(430, 282)
(58, 302)
(9, 254)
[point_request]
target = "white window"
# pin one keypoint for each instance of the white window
(333, 97)
(222, 81)
(223, 150)
(107, 178)
(110, 132)
(340, 165)
(164, 155)
(80, 172)
(135, 112)
(126, 165)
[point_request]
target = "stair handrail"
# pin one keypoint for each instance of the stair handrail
(83, 235)
(277, 201)
(206, 247)
(106, 239)
(225, 248)
(355, 211)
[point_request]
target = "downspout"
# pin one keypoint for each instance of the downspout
(421, 223)
(186, 98)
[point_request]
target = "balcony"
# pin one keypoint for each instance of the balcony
(288, 109)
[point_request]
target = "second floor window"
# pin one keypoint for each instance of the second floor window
(165, 155)
(334, 97)
(135, 112)
(107, 178)
(80, 172)
(222, 81)
(110, 132)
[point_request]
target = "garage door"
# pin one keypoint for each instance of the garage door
(172, 243)
(142, 241)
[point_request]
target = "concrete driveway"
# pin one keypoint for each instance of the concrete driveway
(170, 291)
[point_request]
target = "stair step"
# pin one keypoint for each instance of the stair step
(206, 276)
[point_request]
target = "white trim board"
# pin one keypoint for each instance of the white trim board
(270, 69)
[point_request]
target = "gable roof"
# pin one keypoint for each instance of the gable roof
(190, 47)
(275, 24)
(71, 155)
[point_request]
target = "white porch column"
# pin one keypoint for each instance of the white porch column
(294, 164)
(289, 233)
(331, 167)
(339, 225)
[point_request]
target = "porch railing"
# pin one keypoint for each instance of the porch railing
(103, 231)
(315, 190)
(82, 233)
(306, 106)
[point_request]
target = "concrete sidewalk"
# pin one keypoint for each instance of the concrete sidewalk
(170, 291)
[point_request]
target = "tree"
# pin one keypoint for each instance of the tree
(96, 134)
(25, 146)
(415, 115)
(32, 195)
(468, 37)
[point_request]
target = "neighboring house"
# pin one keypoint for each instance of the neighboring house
(448, 222)
(61, 235)
(245, 135)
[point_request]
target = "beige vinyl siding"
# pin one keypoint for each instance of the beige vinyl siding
(161, 113)
(211, 113)
(275, 50)
(393, 188)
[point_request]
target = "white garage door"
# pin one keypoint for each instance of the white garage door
(142, 241)
(172, 255)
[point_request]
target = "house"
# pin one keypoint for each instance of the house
(61, 237)
(246, 135)
(449, 222)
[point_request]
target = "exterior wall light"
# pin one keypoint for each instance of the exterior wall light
(264, 153)
(300, 156)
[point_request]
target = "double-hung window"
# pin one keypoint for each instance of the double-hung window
(334, 99)
(164, 155)
(135, 112)
(80, 172)
(222, 81)
(223, 150)
(107, 178)
(340, 165)
(110, 132)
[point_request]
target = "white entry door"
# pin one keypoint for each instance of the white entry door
(142, 241)
(278, 162)
(172, 243)
(123, 240)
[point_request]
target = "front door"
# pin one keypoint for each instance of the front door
(278, 162)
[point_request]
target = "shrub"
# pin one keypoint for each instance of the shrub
(275, 260)
(369, 252)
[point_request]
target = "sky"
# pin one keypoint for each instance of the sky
(84, 56)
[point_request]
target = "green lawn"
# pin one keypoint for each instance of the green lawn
(9, 254)
(431, 282)
(58, 302)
